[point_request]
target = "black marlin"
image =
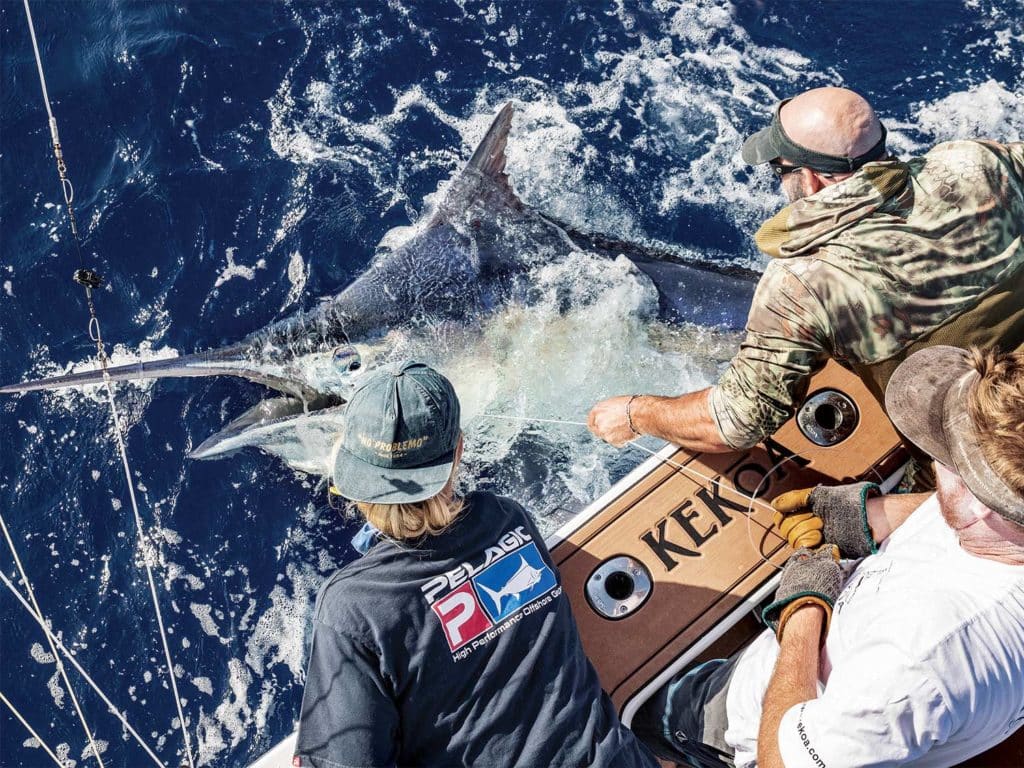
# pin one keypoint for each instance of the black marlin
(470, 256)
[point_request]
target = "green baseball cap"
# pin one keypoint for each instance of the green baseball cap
(400, 436)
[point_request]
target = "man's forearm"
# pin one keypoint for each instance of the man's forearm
(684, 420)
(887, 513)
(795, 679)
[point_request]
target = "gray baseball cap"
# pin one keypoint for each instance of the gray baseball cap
(400, 437)
(926, 398)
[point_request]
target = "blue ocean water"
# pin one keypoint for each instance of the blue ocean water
(235, 161)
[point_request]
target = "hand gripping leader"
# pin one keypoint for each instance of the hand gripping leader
(810, 577)
(809, 516)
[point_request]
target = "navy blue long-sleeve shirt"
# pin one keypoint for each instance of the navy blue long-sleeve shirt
(459, 650)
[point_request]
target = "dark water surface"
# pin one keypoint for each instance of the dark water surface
(235, 161)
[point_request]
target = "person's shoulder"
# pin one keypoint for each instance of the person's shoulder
(487, 499)
(960, 151)
(821, 273)
(333, 593)
(503, 511)
(344, 590)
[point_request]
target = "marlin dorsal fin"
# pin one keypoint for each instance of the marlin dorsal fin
(489, 156)
(483, 178)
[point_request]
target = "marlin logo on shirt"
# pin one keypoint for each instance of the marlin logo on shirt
(478, 600)
(521, 580)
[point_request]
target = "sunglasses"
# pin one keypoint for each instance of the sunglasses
(781, 170)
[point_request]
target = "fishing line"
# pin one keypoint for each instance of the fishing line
(45, 623)
(683, 468)
(50, 642)
(90, 280)
(36, 736)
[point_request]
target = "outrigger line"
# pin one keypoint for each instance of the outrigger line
(50, 642)
(36, 736)
(752, 498)
(90, 280)
(45, 624)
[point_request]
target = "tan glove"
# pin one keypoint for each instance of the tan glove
(836, 514)
(795, 521)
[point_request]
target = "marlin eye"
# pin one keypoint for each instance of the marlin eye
(346, 359)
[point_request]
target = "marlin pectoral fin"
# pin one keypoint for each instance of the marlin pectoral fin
(230, 361)
(281, 427)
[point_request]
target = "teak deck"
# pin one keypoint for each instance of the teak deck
(708, 562)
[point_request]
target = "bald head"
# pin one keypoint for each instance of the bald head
(835, 121)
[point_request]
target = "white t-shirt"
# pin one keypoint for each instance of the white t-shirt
(923, 664)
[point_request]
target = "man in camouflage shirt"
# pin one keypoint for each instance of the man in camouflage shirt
(874, 259)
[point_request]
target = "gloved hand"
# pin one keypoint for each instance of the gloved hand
(809, 577)
(837, 514)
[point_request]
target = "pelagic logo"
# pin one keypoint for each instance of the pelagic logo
(483, 598)
(685, 530)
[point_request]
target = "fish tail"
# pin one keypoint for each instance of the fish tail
(495, 596)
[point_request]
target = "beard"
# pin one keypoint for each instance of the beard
(792, 187)
(947, 494)
(952, 495)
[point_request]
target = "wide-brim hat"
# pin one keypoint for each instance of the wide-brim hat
(926, 398)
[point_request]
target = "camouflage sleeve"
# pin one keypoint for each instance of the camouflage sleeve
(1011, 154)
(1015, 156)
(787, 341)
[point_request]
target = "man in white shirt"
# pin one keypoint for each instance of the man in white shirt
(919, 658)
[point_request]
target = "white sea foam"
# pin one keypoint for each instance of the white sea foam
(297, 275)
(101, 746)
(56, 688)
(229, 723)
(233, 270)
(278, 636)
(63, 752)
(40, 655)
(988, 110)
(204, 613)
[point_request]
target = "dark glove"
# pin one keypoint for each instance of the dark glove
(809, 577)
(835, 514)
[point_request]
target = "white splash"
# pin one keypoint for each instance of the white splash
(986, 111)
(132, 394)
(233, 270)
(297, 275)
